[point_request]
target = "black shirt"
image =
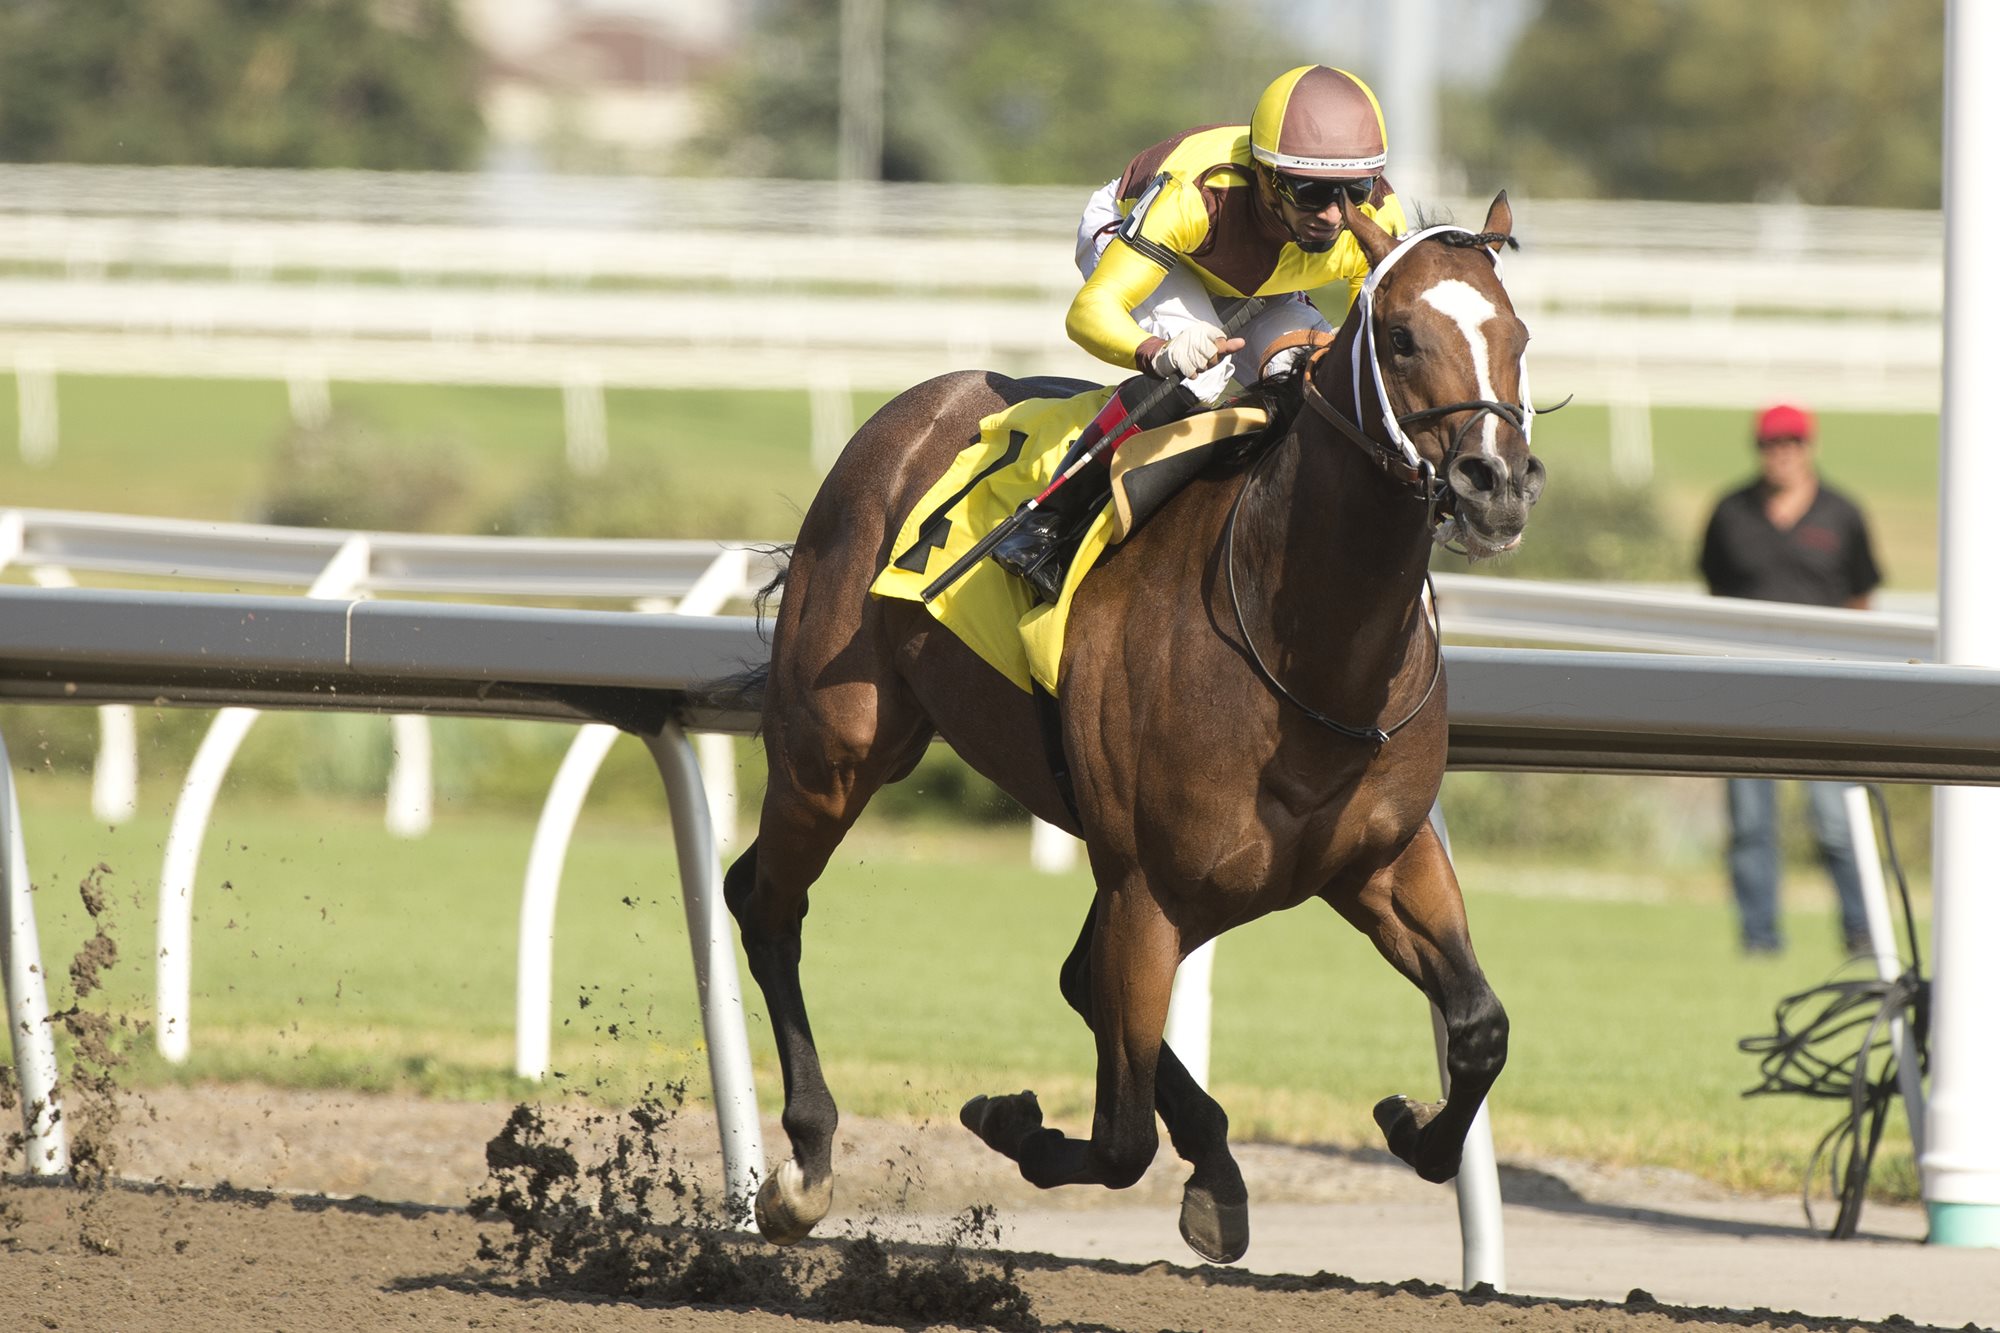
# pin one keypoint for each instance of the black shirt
(1823, 560)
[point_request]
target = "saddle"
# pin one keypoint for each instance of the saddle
(1012, 460)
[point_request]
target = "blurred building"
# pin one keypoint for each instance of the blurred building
(596, 85)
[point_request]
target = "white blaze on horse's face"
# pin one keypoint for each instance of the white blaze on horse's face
(1462, 303)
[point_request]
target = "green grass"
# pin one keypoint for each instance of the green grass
(1888, 463)
(328, 954)
(202, 449)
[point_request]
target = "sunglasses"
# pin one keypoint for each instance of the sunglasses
(1316, 196)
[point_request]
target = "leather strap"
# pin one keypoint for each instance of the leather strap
(1389, 460)
(1290, 338)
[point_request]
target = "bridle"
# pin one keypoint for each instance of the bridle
(1398, 458)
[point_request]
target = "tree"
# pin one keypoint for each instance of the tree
(1831, 103)
(1033, 91)
(380, 84)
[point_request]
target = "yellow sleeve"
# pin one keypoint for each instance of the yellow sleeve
(1174, 222)
(1100, 318)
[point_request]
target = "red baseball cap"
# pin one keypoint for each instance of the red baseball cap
(1784, 422)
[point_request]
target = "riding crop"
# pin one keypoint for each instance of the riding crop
(1117, 422)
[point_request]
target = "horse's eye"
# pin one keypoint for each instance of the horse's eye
(1401, 341)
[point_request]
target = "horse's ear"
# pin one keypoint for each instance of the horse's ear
(1376, 242)
(1499, 220)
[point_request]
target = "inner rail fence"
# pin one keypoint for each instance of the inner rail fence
(694, 577)
(1511, 709)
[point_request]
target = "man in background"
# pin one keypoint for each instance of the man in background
(1788, 537)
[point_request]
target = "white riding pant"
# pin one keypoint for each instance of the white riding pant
(1180, 301)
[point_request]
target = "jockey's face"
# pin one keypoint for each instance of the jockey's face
(1294, 200)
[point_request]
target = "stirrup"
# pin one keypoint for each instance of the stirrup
(1029, 553)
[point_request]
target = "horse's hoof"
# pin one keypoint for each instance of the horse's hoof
(787, 1209)
(1002, 1123)
(1218, 1232)
(1402, 1122)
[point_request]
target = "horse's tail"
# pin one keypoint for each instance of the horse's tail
(743, 691)
(781, 556)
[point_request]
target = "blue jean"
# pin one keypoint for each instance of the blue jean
(1754, 861)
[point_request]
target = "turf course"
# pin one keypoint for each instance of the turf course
(205, 449)
(327, 953)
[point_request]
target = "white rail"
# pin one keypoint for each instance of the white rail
(1511, 708)
(687, 577)
(595, 280)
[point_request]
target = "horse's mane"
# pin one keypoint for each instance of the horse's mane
(1422, 217)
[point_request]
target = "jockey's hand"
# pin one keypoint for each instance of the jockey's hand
(1193, 350)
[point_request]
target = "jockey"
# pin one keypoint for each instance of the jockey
(1198, 226)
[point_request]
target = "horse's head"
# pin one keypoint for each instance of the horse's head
(1451, 386)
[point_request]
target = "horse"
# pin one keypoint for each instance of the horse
(1252, 713)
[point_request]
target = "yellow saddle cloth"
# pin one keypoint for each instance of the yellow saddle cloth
(1014, 459)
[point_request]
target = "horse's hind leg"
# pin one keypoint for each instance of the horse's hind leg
(1411, 909)
(824, 768)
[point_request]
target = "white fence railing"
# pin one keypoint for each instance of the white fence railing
(683, 577)
(1511, 708)
(116, 271)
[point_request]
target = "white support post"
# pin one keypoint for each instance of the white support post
(535, 959)
(1888, 964)
(1191, 1011)
(408, 812)
(114, 776)
(307, 394)
(535, 956)
(717, 983)
(1051, 850)
(831, 399)
(1480, 1227)
(586, 438)
(717, 754)
(44, 1140)
(175, 966)
(346, 571)
(1632, 438)
(1961, 1161)
(35, 402)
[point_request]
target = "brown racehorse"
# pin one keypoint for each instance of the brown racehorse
(1252, 716)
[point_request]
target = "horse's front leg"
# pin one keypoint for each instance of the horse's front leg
(1132, 953)
(1412, 910)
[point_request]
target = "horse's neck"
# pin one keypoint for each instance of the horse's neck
(1340, 552)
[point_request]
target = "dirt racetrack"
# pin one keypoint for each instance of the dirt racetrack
(183, 1255)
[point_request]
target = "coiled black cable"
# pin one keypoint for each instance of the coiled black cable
(1813, 1053)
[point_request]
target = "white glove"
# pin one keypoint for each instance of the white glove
(1281, 364)
(1189, 352)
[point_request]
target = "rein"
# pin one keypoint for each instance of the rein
(1378, 735)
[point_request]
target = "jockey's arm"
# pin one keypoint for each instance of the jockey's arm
(1100, 317)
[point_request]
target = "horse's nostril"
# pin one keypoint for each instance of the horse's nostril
(1476, 476)
(1535, 478)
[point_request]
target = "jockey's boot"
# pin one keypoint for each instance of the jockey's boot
(1030, 551)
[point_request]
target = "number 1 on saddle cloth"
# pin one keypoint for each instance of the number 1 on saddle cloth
(1047, 524)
